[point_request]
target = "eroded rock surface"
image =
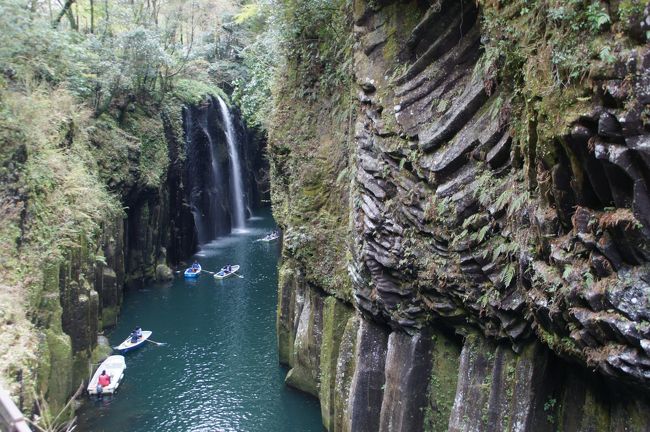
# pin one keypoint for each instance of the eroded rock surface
(454, 224)
(499, 242)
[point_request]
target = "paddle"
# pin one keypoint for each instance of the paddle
(157, 343)
(207, 271)
(238, 275)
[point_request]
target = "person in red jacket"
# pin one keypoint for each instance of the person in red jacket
(103, 381)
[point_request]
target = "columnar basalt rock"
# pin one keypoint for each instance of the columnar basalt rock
(407, 371)
(449, 227)
(497, 246)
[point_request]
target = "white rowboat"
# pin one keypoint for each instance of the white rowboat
(222, 274)
(114, 367)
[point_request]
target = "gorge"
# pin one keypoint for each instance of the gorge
(461, 186)
(489, 221)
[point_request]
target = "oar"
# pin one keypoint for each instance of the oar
(157, 343)
(207, 271)
(238, 275)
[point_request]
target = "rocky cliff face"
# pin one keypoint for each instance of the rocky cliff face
(498, 237)
(145, 163)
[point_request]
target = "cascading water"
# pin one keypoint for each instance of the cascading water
(236, 184)
(204, 173)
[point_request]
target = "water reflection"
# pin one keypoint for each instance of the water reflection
(219, 370)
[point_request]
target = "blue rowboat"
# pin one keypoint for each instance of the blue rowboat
(191, 273)
(127, 345)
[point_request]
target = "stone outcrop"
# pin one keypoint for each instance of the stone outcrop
(498, 249)
(81, 291)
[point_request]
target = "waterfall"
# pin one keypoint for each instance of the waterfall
(236, 187)
(212, 191)
(204, 173)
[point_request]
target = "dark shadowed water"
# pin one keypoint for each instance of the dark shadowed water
(219, 370)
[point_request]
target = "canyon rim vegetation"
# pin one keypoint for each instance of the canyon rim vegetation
(462, 188)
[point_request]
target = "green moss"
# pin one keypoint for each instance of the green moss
(345, 370)
(335, 318)
(558, 343)
(153, 158)
(284, 330)
(194, 92)
(442, 384)
(109, 316)
(546, 57)
(58, 368)
(310, 140)
(402, 17)
(595, 413)
(100, 353)
(301, 379)
(48, 313)
(81, 368)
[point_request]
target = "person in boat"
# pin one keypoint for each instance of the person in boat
(134, 336)
(103, 381)
(228, 268)
(195, 267)
(138, 332)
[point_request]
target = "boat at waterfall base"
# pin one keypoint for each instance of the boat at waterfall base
(114, 367)
(270, 237)
(193, 272)
(222, 274)
(129, 345)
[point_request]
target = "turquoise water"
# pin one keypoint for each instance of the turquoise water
(219, 370)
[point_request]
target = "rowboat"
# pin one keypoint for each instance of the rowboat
(114, 367)
(193, 273)
(127, 345)
(222, 274)
(269, 237)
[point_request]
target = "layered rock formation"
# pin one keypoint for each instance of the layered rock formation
(499, 233)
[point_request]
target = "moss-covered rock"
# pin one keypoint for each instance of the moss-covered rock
(335, 319)
(285, 315)
(305, 372)
(441, 390)
(57, 366)
(345, 366)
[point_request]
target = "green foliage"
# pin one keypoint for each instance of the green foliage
(136, 51)
(253, 92)
(193, 92)
(629, 9)
(67, 200)
(544, 51)
(248, 13)
(310, 37)
(606, 55)
(309, 141)
(508, 273)
(549, 409)
(597, 17)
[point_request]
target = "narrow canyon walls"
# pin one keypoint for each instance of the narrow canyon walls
(493, 234)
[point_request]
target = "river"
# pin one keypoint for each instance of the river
(219, 368)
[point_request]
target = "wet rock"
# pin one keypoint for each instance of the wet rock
(407, 370)
(164, 273)
(345, 367)
(366, 390)
(336, 316)
(305, 372)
